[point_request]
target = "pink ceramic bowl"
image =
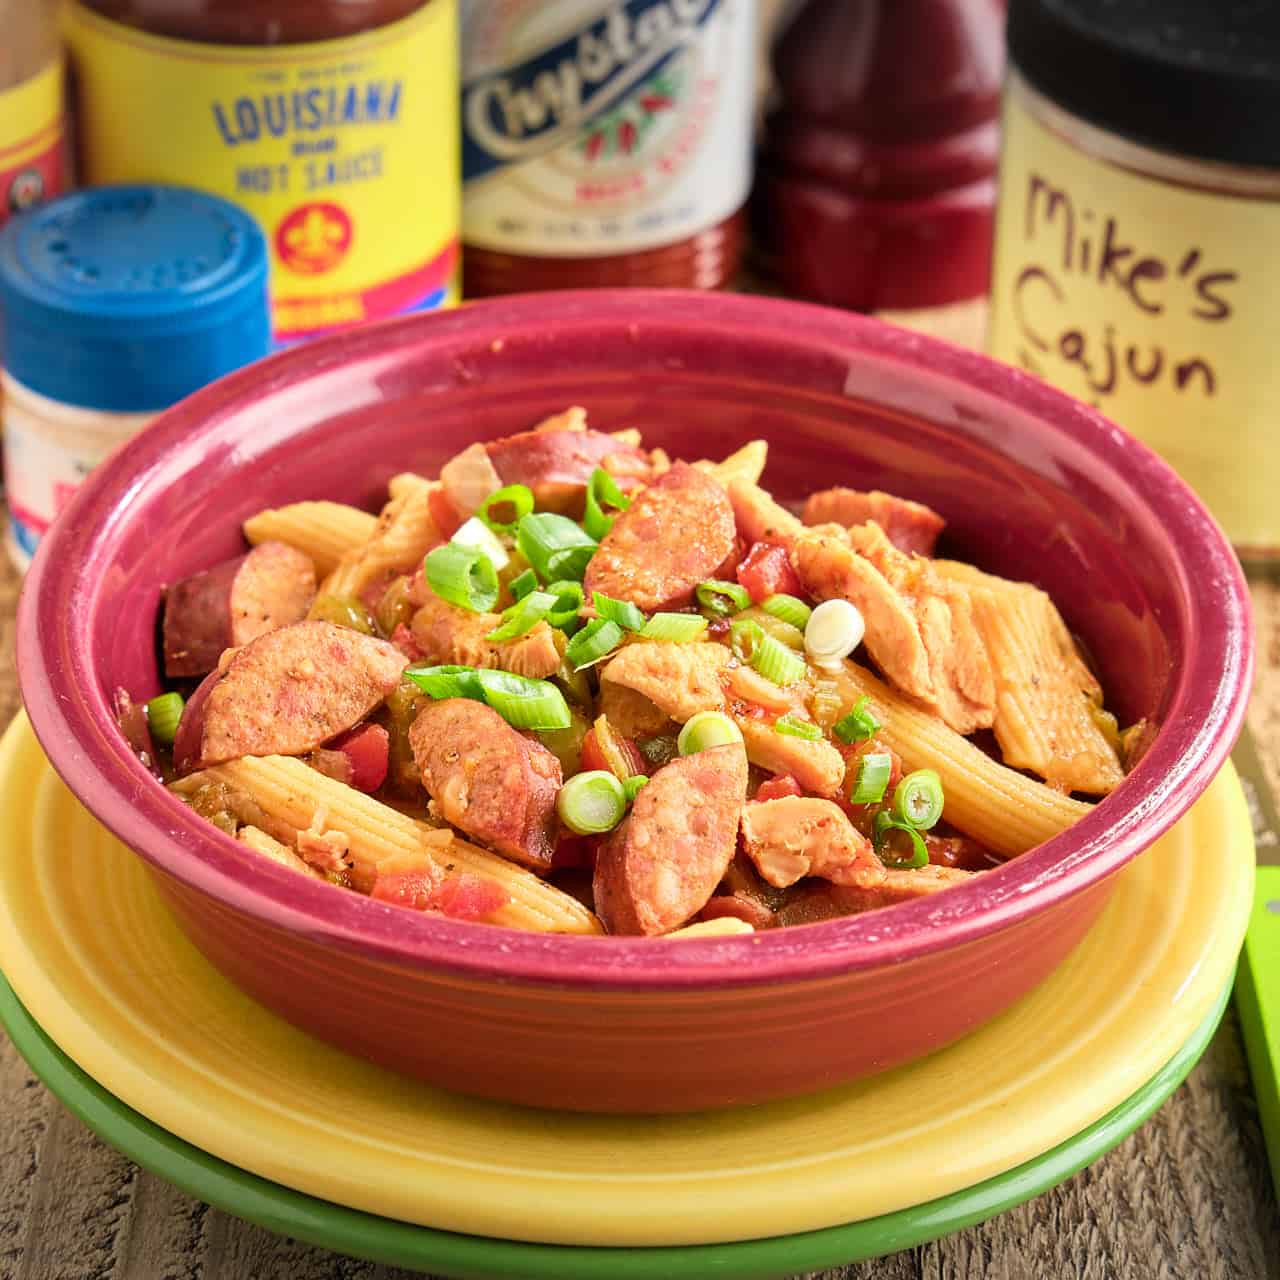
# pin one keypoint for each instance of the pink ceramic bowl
(1033, 485)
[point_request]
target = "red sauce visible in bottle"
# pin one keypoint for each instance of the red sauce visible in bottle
(878, 167)
(605, 145)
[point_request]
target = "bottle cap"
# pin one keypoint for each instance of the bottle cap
(129, 298)
(1193, 77)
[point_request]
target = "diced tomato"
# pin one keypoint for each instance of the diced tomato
(767, 572)
(781, 784)
(413, 889)
(443, 513)
(594, 758)
(367, 747)
(467, 897)
(403, 640)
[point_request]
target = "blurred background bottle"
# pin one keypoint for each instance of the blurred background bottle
(31, 105)
(605, 144)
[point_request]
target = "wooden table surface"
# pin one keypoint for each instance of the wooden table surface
(1188, 1196)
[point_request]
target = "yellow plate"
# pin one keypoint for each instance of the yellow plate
(95, 957)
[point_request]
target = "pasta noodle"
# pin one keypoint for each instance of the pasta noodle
(269, 847)
(325, 531)
(721, 927)
(291, 795)
(747, 464)
(1006, 811)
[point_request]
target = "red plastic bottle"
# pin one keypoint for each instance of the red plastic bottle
(877, 186)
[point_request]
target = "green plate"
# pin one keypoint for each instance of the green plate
(382, 1240)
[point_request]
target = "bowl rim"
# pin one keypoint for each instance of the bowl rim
(73, 721)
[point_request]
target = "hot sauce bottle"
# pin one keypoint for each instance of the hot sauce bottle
(31, 162)
(877, 186)
(604, 143)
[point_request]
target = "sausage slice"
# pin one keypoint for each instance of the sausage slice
(556, 465)
(910, 526)
(676, 534)
(488, 779)
(661, 866)
(234, 602)
(287, 693)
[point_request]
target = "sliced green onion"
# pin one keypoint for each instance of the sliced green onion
(555, 546)
(525, 703)
(792, 726)
(602, 491)
(789, 609)
(918, 799)
(721, 598)
(447, 682)
(706, 730)
(885, 823)
(676, 627)
(596, 640)
(623, 612)
(859, 724)
(475, 533)
(591, 803)
(770, 657)
(631, 786)
(522, 617)
(163, 713)
(521, 586)
(518, 497)
(568, 597)
(463, 576)
(343, 611)
(872, 778)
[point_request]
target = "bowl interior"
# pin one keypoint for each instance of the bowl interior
(1032, 485)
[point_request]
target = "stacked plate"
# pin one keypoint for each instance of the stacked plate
(152, 1048)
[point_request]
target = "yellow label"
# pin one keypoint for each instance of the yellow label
(1153, 302)
(31, 140)
(346, 151)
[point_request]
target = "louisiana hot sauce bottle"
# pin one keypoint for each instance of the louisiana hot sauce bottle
(332, 122)
(605, 143)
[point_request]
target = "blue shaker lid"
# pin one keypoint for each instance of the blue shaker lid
(130, 298)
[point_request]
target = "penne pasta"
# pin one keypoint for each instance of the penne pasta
(747, 464)
(721, 927)
(404, 533)
(295, 800)
(325, 531)
(269, 847)
(999, 807)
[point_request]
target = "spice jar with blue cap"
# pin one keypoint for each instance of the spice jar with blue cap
(115, 303)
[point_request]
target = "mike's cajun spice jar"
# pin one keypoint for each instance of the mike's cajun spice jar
(334, 122)
(1137, 260)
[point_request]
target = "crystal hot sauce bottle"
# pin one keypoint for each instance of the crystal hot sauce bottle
(605, 143)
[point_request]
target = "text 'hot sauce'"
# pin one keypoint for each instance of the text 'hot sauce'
(605, 143)
(333, 122)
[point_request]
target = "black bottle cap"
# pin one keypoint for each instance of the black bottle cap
(1193, 77)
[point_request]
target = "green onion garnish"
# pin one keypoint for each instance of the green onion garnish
(163, 713)
(631, 786)
(602, 491)
(596, 640)
(623, 612)
(789, 609)
(518, 497)
(522, 617)
(884, 824)
(525, 703)
(858, 725)
(676, 627)
(446, 682)
(872, 778)
(568, 596)
(522, 585)
(555, 546)
(918, 799)
(792, 726)
(591, 803)
(720, 598)
(463, 576)
(706, 730)
(770, 657)
(475, 533)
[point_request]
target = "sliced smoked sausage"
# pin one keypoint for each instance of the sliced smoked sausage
(287, 693)
(661, 866)
(910, 526)
(676, 534)
(556, 465)
(487, 779)
(232, 603)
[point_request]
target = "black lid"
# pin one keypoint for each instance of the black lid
(1195, 77)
